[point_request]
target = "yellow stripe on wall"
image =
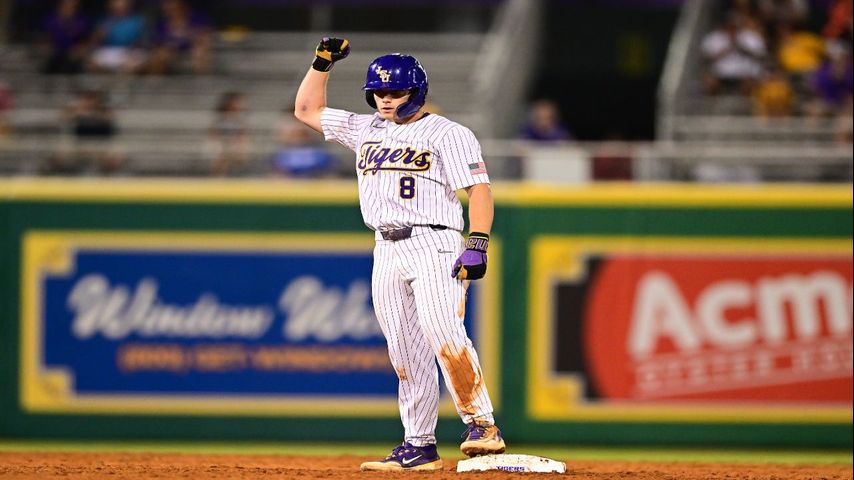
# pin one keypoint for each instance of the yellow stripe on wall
(180, 191)
(662, 194)
(346, 192)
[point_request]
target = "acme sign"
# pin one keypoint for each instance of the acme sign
(705, 328)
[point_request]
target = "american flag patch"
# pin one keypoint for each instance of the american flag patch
(477, 168)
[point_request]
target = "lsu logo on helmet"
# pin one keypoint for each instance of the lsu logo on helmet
(385, 75)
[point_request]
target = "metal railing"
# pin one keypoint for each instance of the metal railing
(503, 69)
(581, 162)
(564, 163)
(682, 60)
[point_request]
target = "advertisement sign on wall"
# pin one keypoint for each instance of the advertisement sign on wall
(684, 329)
(204, 323)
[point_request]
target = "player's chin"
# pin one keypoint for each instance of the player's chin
(387, 114)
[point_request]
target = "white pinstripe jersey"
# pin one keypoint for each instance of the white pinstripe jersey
(408, 174)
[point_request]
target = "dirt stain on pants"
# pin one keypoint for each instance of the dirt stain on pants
(466, 377)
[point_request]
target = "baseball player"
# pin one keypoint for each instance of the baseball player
(409, 165)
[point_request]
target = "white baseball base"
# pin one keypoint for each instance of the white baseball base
(511, 463)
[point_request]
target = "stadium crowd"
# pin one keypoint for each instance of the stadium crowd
(124, 40)
(778, 54)
(784, 58)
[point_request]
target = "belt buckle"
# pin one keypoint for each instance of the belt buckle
(395, 235)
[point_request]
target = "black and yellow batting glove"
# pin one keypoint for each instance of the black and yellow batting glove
(329, 51)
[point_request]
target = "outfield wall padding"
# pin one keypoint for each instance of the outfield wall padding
(612, 314)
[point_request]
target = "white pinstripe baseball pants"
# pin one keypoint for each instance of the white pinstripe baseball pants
(417, 303)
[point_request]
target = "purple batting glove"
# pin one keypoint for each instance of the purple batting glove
(472, 263)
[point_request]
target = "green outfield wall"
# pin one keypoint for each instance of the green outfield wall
(614, 314)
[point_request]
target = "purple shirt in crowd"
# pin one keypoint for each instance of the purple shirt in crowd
(65, 33)
(557, 133)
(833, 88)
(181, 39)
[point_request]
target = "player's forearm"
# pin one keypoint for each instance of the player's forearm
(311, 98)
(481, 208)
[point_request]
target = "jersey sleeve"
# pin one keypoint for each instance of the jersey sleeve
(341, 126)
(462, 159)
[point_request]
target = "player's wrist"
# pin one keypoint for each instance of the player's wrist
(477, 241)
(321, 64)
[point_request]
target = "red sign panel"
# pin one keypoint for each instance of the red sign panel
(750, 328)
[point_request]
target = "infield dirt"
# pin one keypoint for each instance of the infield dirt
(137, 466)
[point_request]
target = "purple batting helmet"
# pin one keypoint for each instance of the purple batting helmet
(397, 71)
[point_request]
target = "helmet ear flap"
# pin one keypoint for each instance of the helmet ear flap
(369, 97)
(416, 101)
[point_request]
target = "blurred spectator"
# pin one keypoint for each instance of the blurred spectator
(119, 40)
(544, 123)
(66, 38)
(181, 31)
(838, 26)
(782, 13)
(734, 53)
(832, 84)
(5, 109)
(746, 9)
(228, 142)
(799, 53)
(91, 147)
(300, 155)
(774, 96)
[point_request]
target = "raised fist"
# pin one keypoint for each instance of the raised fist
(329, 51)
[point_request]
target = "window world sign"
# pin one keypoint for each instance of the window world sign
(204, 324)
